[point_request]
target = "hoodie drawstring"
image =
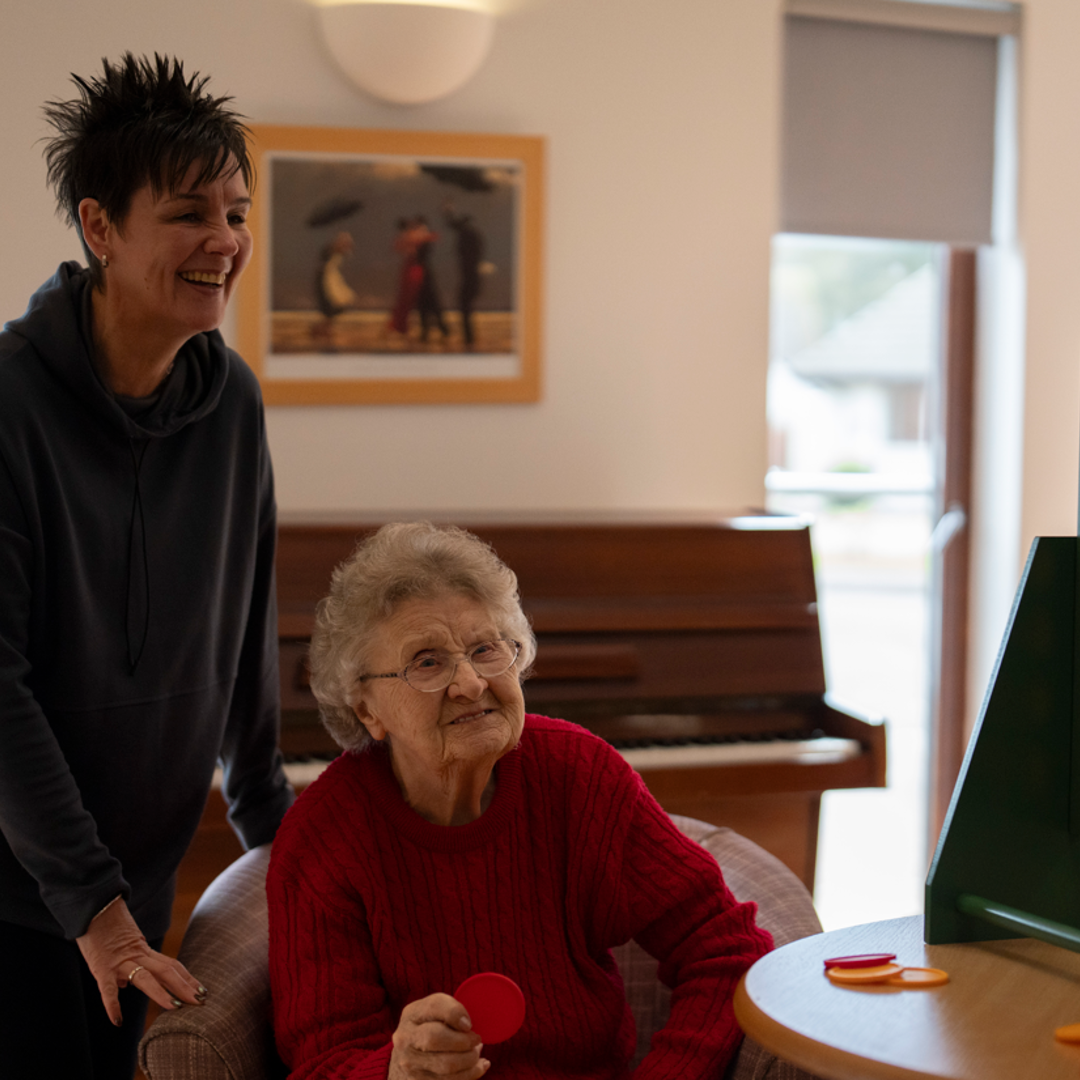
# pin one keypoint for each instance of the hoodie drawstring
(135, 655)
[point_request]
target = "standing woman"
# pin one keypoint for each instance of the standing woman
(138, 637)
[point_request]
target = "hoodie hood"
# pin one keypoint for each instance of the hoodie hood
(57, 324)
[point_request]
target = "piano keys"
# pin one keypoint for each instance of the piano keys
(815, 751)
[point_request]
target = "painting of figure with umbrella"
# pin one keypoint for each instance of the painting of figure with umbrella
(397, 267)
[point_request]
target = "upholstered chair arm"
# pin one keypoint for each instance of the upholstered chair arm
(225, 947)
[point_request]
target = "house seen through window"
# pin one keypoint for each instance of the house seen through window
(854, 370)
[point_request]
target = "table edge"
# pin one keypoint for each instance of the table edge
(825, 1061)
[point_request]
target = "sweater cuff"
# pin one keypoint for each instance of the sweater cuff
(259, 825)
(76, 915)
(376, 1066)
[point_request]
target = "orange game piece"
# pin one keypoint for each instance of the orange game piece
(1070, 1033)
(918, 978)
(863, 976)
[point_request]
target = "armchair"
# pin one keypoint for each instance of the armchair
(230, 1038)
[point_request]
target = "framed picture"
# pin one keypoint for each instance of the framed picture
(394, 266)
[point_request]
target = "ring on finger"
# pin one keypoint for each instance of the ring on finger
(135, 971)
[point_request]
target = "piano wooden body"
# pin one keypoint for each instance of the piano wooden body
(693, 646)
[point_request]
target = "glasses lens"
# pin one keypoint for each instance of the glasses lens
(430, 672)
(492, 658)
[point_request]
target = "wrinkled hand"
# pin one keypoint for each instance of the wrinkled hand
(113, 946)
(435, 1039)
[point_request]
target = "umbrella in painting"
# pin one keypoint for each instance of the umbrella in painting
(466, 177)
(333, 210)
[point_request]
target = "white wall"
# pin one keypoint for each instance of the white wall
(1050, 247)
(1028, 385)
(662, 121)
(663, 144)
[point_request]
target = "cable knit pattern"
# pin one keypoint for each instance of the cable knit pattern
(371, 907)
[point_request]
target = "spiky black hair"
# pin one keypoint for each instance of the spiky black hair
(140, 122)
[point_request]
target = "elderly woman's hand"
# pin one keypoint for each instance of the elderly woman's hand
(435, 1039)
(117, 954)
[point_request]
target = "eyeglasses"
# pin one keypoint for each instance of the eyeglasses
(435, 670)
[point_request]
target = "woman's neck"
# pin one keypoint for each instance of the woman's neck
(454, 797)
(132, 360)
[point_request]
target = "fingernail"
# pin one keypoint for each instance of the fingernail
(465, 1024)
(177, 1003)
(119, 1023)
(201, 992)
(485, 1064)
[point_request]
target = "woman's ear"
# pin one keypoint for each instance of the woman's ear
(374, 725)
(96, 227)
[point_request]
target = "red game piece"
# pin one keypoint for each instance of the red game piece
(495, 1004)
(861, 960)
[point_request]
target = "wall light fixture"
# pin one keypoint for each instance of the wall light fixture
(407, 52)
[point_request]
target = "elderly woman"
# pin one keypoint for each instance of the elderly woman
(137, 611)
(458, 835)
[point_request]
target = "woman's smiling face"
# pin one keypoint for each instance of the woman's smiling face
(175, 259)
(470, 724)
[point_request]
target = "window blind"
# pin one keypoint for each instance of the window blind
(888, 130)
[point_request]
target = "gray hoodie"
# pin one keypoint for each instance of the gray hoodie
(138, 636)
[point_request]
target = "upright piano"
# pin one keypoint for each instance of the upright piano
(693, 646)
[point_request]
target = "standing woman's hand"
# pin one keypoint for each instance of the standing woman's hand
(117, 954)
(434, 1038)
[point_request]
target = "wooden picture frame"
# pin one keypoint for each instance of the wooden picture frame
(394, 267)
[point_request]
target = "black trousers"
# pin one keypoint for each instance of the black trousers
(52, 1021)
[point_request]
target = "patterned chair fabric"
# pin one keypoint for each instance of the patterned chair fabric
(230, 1038)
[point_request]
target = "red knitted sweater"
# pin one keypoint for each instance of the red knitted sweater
(372, 907)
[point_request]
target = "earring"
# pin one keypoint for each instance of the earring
(105, 262)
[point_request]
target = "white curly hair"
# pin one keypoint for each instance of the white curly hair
(403, 561)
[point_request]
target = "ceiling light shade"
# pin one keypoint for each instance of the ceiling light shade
(407, 53)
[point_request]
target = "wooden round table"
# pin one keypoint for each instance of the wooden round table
(994, 1020)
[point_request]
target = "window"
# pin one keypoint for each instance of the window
(854, 370)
